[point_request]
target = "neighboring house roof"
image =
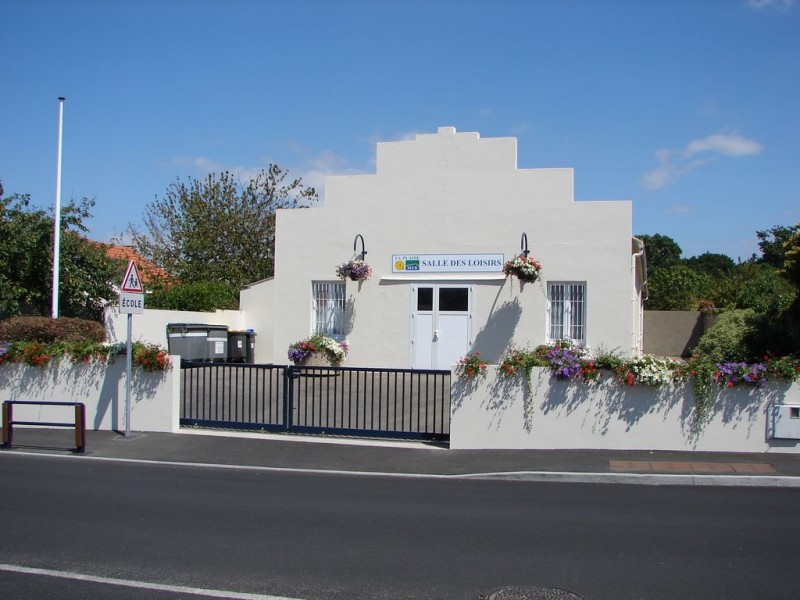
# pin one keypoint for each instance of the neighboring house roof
(149, 271)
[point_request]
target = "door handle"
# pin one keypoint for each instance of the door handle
(435, 335)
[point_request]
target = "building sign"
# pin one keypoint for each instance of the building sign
(447, 263)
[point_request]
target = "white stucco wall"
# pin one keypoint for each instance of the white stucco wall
(453, 193)
(498, 412)
(151, 326)
(257, 303)
(155, 397)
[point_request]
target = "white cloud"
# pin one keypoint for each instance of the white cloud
(728, 145)
(204, 166)
(678, 209)
(673, 164)
(318, 167)
(777, 4)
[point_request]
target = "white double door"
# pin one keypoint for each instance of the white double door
(441, 324)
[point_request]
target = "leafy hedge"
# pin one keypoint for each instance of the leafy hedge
(45, 329)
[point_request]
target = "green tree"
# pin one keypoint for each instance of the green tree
(759, 287)
(661, 251)
(26, 261)
(772, 244)
(677, 288)
(713, 264)
(218, 229)
(791, 258)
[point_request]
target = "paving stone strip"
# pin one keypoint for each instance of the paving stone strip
(646, 466)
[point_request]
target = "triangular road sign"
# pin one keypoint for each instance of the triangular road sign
(131, 283)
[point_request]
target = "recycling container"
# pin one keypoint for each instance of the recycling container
(237, 346)
(251, 347)
(189, 340)
(217, 343)
(242, 346)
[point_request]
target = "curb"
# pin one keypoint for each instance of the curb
(684, 480)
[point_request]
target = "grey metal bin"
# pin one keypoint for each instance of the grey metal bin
(198, 341)
(242, 346)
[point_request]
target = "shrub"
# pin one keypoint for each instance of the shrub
(728, 339)
(45, 329)
(202, 296)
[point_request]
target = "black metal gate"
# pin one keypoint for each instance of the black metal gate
(368, 402)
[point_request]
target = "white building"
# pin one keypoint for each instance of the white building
(456, 206)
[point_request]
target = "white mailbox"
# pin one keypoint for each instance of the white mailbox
(786, 421)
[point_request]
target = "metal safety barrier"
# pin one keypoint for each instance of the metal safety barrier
(79, 423)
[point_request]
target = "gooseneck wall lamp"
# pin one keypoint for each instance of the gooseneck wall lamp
(363, 246)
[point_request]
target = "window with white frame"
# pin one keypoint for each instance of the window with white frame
(566, 312)
(328, 309)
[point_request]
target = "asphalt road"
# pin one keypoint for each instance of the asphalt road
(294, 535)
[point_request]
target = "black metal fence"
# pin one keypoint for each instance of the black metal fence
(371, 402)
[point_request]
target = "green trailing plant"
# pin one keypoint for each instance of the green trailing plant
(702, 372)
(785, 368)
(471, 366)
(516, 361)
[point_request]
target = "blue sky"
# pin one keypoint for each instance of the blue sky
(688, 108)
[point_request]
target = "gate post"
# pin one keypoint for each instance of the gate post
(290, 374)
(8, 424)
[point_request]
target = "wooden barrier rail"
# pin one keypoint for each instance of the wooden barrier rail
(79, 424)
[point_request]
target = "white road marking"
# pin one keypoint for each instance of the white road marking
(144, 585)
(656, 479)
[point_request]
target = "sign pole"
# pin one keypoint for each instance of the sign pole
(129, 368)
(131, 300)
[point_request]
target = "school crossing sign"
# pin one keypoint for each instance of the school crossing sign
(131, 292)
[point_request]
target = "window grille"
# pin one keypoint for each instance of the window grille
(328, 309)
(566, 308)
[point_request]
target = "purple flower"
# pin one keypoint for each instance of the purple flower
(564, 363)
(298, 355)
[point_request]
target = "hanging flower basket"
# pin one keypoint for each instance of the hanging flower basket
(525, 268)
(356, 270)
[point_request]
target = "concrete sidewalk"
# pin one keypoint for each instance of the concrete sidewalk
(226, 449)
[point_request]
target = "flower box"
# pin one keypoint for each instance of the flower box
(318, 350)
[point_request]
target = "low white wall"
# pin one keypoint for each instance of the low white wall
(497, 412)
(151, 326)
(101, 386)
